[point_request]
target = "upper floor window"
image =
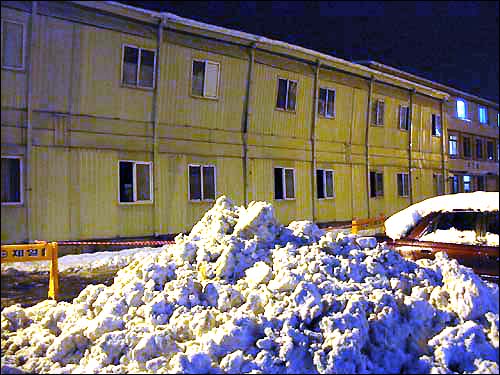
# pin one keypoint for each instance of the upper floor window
(479, 148)
(138, 67)
(378, 113)
(205, 78)
(453, 145)
(13, 45)
(376, 184)
(466, 147)
(12, 174)
(403, 184)
(287, 94)
(461, 111)
(326, 105)
(135, 181)
(483, 115)
(404, 117)
(324, 183)
(284, 183)
(201, 182)
(436, 125)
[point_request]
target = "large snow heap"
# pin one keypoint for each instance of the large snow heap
(243, 294)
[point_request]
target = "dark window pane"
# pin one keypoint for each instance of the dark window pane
(459, 220)
(198, 77)
(400, 185)
(282, 88)
(146, 73)
(380, 117)
(454, 185)
(374, 113)
(130, 61)
(143, 182)
(489, 150)
(208, 183)
(479, 149)
(126, 181)
(319, 183)
(373, 184)
(292, 95)
(403, 117)
(290, 188)
(278, 183)
(322, 102)
(12, 54)
(194, 182)
(480, 183)
(466, 145)
(11, 180)
(329, 184)
(330, 109)
(380, 184)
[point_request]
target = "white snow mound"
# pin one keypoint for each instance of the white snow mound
(243, 294)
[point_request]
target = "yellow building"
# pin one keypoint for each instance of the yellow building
(121, 122)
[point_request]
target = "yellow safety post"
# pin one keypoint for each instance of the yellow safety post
(354, 229)
(54, 272)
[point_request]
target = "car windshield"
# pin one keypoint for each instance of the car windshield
(453, 227)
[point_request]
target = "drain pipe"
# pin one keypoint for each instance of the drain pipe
(410, 140)
(156, 169)
(367, 135)
(29, 120)
(246, 122)
(313, 141)
(444, 132)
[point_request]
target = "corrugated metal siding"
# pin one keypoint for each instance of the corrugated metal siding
(13, 224)
(338, 208)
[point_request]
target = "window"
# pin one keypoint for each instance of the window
(13, 45)
(454, 185)
(404, 117)
(12, 180)
(138, 67)
(403, 188)
(326, 104)
(284, 183)
(201, 182)
(436, 125)
(287, 94)
(489, 150)
(438, 184)
(376, 184)
(466, 147)
(483, 115)
(324, 183)
(205, 78)
(135, 182)
(461, 112)
(378, 113)
(467, 184)
(479, 148)
(453, 146)
(481, 183)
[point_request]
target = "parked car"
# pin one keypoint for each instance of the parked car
(465, 226)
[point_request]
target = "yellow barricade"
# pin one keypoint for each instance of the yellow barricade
(367, 223)
(40, 250)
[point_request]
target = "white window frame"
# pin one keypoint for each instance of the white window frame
(23, 67)
(134, 182)
(485, 109)
(205, 61)
(407, 107)
(283, 181)
(137, 85)
(324, 183)
(436, 115)
(403, 182)
(465, 109)
(201, 183)
(326, 102)
(21, 181)
(377, 113)
(457, 141)
(286, 96)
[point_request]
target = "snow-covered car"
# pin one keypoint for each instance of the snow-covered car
(464, 225)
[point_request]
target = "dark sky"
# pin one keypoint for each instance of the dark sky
(451, 42)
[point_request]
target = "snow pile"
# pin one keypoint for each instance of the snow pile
(400, 223)
(243, 294)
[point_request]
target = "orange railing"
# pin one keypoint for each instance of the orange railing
(374, 222)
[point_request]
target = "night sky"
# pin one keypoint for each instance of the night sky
(454, 43)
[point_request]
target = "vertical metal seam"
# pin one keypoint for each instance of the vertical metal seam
(367, 135)
(247, 112)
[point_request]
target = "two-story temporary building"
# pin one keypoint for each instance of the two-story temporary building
(122, 122)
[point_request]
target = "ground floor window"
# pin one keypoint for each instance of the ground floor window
(135, 181)
(324, 183)
(454, 185)
(376, 184)
(481, 182)
(403, 182)
(202, 182)
(284, 183)
(438, 184)
(467, 180)
(11, 180)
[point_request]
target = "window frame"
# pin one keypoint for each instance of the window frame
(139, 58)
(470, 147)
(457, 145)
(326, 103)
(376, 196)
(485, 115)
(205, 61)
(492, 143)
(134, 182)
(401, 106)
(476, 149)
(21, 180)
(202, 195)
(483, 179)
(465, 108)
(23, 24)
(377, 109)
(470, 182)
(407, 185)
(434, 117)
(283, 182)
(324, 183)
(288, 80)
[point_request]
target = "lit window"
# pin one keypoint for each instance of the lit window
(404, 117)
(483, 115)
(326, 104)
(13, 44)
(324, 183)
(453, 145)
(201, 182)
(467, 184)
(436, 125)
(284, 183)
(461, 109)
(287, 94)
(205, 79)
(138, 67)
(376, 184)
(403, 188)
(11, 180)
(135, 182)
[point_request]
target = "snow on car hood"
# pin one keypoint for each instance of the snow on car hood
(243, 294)
(400, 223)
